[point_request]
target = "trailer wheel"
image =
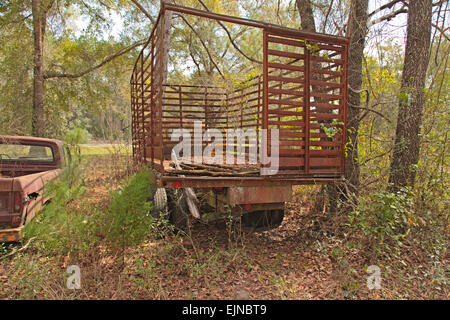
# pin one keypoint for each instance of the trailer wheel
(178, 209)
(262, 220)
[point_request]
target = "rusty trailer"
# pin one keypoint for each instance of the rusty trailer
(301, 91)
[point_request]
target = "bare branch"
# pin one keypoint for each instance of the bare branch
(442, 31)
(140, 7)
(370, 110)
(327, 15)
(439, 3)
(386, 6)
(340, 29)
(389, 16)
(203, 43)
(229, 36)
(50, 75)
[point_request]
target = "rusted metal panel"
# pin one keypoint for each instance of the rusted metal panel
(11, 235)
(259, 194)
(211, 182)
(23, 183)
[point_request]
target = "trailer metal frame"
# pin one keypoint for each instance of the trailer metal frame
(302, 92)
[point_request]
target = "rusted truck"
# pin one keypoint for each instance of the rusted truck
(300, 94)
(27, 164)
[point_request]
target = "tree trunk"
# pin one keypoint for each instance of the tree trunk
(357, 30)
(407, 138)
(167, 35)
(38, 122)
(306, 15)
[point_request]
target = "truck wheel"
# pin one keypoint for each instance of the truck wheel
(262, 220)
(178, 209)
(160, 206)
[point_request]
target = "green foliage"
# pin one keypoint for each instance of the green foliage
(128, 220)
(57, 225)
(334, 128)
(384, 217)
(77, 135)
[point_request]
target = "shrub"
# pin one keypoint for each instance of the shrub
(128, 220)
(384, 217)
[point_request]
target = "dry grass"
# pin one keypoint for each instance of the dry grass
(313, 255)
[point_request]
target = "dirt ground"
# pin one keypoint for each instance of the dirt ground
(312, 255)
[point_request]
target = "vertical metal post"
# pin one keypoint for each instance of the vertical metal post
(205, 101)
(307, 107)
(258, 115)
(152, 99)
(143, 138)
(344, 108)
(242, 106)
(180, 98)
(160, 84)
(265, 113)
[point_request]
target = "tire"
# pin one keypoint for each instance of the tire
(178, 209)
(263, 220)
(160, 204)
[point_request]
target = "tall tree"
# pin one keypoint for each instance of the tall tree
(357, 30)
(39, 11)
(407, 138)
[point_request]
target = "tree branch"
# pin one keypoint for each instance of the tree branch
(441, 31)
(439, 3)
(140, 7)
(229, 36)
(203, 43)
(326, 16)
(389, 16)
(50, 75)
(370, 110)
(386, 6)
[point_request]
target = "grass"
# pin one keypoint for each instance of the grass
(91, 150)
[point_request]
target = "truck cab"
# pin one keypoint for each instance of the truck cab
(27, 164)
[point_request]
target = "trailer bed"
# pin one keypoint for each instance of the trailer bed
(299, 97)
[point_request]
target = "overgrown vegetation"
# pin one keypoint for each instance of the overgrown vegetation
(99, 216)
(67, 223)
